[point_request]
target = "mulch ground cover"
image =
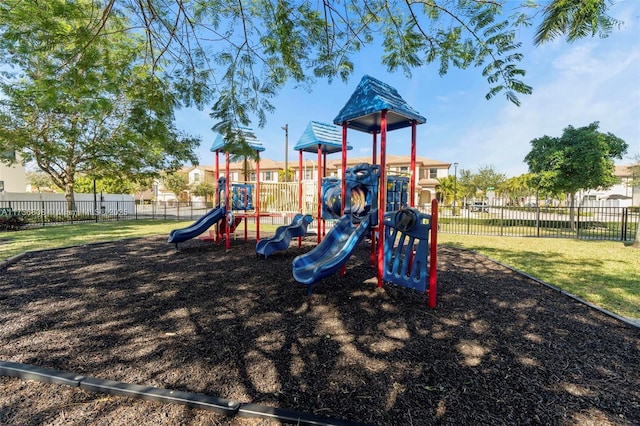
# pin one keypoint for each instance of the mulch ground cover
(499, 349)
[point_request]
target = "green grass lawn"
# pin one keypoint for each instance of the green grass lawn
(606, 273)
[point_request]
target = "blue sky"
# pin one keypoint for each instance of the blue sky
(573, 84)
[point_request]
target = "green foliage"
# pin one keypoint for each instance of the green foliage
(143, 59)
(205, 189)
(575, 19)
(80, 98)
(582, 158)
(474, 185)
(176, 182)
(112, 185)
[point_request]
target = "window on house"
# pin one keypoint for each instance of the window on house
(196, 177)
(268, 175)
(404, 170)
(252, 176)
(308, 174)
(433, 173)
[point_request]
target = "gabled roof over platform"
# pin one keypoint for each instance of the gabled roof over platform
(249, 136)
(325, 136)
(363, 110)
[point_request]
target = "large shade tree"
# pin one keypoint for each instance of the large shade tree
(582, 158)
(79, 101)
(237, 55)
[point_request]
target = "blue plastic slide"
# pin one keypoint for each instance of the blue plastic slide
(332, 253)
(199, 226)
(282, 238)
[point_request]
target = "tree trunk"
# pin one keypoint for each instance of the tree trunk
(572, 211)
(636, 242)
(70, 197)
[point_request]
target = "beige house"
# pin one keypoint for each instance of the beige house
(12, 178)
(622, 194)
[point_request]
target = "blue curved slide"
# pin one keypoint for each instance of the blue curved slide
(332, 253)
(199, 226)
(282, 238)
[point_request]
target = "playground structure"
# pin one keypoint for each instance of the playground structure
(403, 240)
(376, 108)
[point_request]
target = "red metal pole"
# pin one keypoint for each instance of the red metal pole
(374, 229)
(433, 255)
(382, 205)
(258, 197)
(300, 192)
(319, 193)
(227, 205)
(412, 175)
(324, 173)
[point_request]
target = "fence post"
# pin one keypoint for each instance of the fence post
(42, 212)
(625, 217)
(578, 223)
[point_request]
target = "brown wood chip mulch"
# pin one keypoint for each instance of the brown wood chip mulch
(500, 349)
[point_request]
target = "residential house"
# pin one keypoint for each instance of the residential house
(427, 172)
(622, 194)
(12, 178)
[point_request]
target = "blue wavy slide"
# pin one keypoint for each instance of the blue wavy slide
(332, 253)
(199, 226)
(282, 238)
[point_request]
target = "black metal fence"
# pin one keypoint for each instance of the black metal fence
(595, 223)
(590, 223)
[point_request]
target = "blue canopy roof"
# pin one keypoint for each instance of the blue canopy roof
(249, 136)
(363, 109)
(327, 137)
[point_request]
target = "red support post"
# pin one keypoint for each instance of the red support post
(382, 194)
(258, 196)
(319, 219)
(227, 206)
(412, 175)
(300, 204)
(433, 254)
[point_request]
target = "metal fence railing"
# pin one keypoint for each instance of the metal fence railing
(279, 202)
(595, 223)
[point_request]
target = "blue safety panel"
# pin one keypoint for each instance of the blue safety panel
(363, 109)
(406, 248)
(327, 137)
(249, 136)
(241, 196)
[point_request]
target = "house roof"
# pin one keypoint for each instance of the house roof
(323, 136)
(392, 160)
(246, 132)
(363, 110)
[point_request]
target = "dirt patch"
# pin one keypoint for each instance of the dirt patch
(499, 348)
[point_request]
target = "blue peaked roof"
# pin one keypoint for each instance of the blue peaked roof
(363, 109)
(249, 136)
(327, 137)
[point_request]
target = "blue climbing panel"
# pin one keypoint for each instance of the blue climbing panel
(406, 248)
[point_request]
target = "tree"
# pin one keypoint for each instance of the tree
(446, 188)
(39, 180)
(582, 158)
(206, 190)
(238, 55)
(486, 178)
(80, 98)
(177, 182)
(87, 185)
